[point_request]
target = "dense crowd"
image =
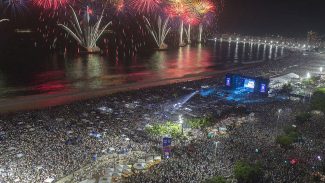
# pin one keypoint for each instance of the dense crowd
(55, 142)
(252, 139)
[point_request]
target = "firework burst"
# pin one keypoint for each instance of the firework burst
(161, 34)
(50, 4)
(177, 8)
(86, 34)
(15, 6)
(120, 5)
(203, 7)
(191, 19)
(145, 6)
(3, 20)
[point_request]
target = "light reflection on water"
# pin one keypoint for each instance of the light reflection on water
(58, 73)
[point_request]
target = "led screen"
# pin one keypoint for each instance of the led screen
(263, 88)
(228, 82)
(249, 83)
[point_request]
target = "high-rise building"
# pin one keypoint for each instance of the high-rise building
(312, 38)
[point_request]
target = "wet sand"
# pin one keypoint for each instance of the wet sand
(308, 63)
(11, 105)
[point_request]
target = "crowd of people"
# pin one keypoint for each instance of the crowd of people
(55, 142)
(252, 139)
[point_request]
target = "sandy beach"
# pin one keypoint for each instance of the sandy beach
(40, 137)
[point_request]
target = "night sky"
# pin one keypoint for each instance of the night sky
(284, 17)
(290, 18)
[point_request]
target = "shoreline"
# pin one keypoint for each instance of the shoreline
(47, 130)
(42, 101)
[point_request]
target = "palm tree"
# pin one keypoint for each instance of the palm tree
(160, 35)
(86, 35)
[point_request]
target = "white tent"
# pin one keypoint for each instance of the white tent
(127, 171)
(105, 179)
(149, 161)
(20, 155)
(88, 181)
(139, 166)
(11, 148)
(116, 174)
(49, 180)
(111, 149)
(149, 158)
(157, 158)
(120, 166)
(141, 160)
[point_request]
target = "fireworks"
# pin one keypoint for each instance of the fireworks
(86, 35)
(145, 6)
(191, 18)
(120, 6)
(203, 7)
(161, 34)
(3, 20)
(15, 6)
(177, 8)
(85, 25)
(50, 4)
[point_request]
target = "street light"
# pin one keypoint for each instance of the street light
(277, 121)
(279, 112)
(216, 146)
(321, 69)
(310, 96)
(180, 120)
(129, 143)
